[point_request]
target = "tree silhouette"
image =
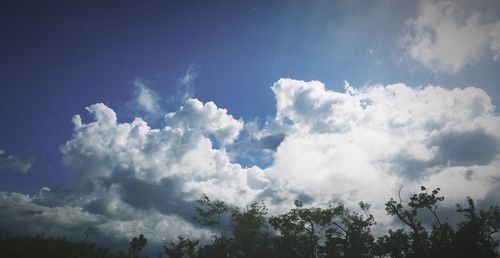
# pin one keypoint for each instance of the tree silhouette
(302, 229)
(473, 237)
(136, 245)
(47, 247)
(336, 231)
(209, 213)
(331, 232)
(357, 240)
(305, 232)
(182, 248)
(419, 241)
(89, 231)
(251, 231)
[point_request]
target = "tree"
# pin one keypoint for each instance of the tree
(331, 232)
(210, 212)
(89, 231)
(136, 245)
(300, 230)
(221, 247)
(250, 237)
(182, 248)
(335, 231)
(41, 246)
(349, 233)
(475, 236)
(420, 244)
(250, 231)
(396, 244)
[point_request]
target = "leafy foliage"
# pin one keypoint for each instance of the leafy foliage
(331, 232)
(136, 245)
(305, 232)
(473, 237)
(42, 247)
(210, 212)
(182, 248)
(335, 231)
(89, 231)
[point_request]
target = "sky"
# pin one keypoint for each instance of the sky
(119, 114)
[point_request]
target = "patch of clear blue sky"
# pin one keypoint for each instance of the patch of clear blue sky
(59, 56)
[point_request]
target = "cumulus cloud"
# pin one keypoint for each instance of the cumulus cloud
(135, 176)
(363, 144)
(131, 179)
(197, 116)
(13, 163)
(443, 39)
(151, 154)
(328, 146)
(145, 99)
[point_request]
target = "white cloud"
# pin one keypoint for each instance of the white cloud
(495, 41)
(363, 144)
(103, 146)
(124, 171)
(190, 76)
(186, 82)
(13, 163)
(197, 116)
(145, 99)
(23, 213)
(359, 144)
(443, 39)
(131, 179)
(19, 213)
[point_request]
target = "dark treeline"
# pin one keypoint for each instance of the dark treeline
(41, 246)
(335, 231)
(45, 247)
(305, 232)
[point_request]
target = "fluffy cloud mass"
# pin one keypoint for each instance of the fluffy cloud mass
(363, 144)
(443, 39)
(328, 146)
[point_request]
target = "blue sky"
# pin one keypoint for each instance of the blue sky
(60, 57)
